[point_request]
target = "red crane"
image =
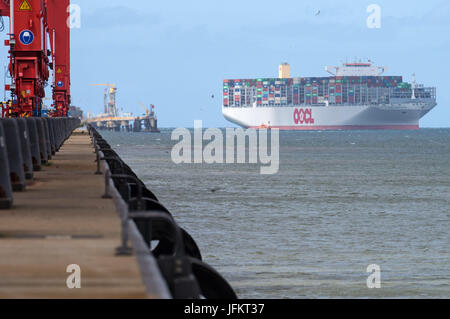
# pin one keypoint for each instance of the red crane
(38, 31)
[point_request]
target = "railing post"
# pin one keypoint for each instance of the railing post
(107, 174)
(124, 249)
(98, 172)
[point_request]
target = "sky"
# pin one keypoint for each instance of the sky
(175, 54)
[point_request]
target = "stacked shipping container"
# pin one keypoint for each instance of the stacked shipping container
(336, 90)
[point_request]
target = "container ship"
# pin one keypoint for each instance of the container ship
(355, 96)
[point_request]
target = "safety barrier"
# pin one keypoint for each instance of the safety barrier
(26, 144)
(6, 196)
(26, 148)
(15, 158)
(47, 138)
(162, 247)
(34, 144)
(51, 136)
(42, 140)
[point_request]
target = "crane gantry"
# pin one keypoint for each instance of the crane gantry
(39, 41)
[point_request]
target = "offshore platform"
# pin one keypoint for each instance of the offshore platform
(111, 120)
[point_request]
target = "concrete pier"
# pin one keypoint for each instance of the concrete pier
(62, 220)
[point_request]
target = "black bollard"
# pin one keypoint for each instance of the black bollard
(34, 144)
(57, 132)
(51, 134)
(61, 132)
(66, 128)
(42, 140)
(6, 196)
(47, 137)
(14, 149)
(53, 123)
(26, 150)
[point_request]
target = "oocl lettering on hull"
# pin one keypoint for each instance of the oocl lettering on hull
(303, 116)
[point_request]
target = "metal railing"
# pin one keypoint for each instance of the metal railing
(174, 267)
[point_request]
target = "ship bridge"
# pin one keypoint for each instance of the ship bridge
(356, 69)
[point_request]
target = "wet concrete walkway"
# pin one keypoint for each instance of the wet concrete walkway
(62, 220)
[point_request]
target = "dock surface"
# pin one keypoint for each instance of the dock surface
(62, 220)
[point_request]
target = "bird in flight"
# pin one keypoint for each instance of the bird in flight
(318, 12)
